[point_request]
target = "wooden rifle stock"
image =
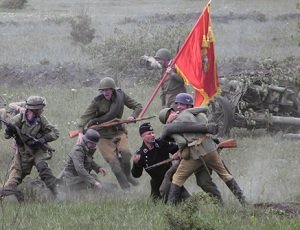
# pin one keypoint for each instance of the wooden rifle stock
(230, 143)
(110, 123)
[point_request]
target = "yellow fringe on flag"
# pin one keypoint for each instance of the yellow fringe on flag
(204, 42)
(211, 35)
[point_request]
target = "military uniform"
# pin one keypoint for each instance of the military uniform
(172, 85)
(200, 150)
(32, 154)
(12, 110)
(77, 172)
(113, 143)
(149, 157)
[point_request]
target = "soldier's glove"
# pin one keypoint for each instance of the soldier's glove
(212, 128)
(10, 131)
(36, 142)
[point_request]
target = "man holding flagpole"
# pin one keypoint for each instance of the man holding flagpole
(173, 84)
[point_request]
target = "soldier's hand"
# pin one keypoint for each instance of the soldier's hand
(131, 118)
(176, 155)
(80, 135)
(10, 131)
(212, 128)
(102, 171)
(136, 158)
(98, 185)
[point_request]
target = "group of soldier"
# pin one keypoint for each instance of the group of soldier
(186, 140)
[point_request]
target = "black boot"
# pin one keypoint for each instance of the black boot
(237, 191)
(204, 181)
(127, 170)
(174, 194)
(122, 180)
(184, 194)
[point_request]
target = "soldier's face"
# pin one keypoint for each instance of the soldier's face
(148, 137)
(34, 113)
(180, 107)
(91, 145)
(107, 93)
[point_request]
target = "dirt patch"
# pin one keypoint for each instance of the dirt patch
(289, 209)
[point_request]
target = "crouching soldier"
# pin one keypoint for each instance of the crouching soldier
(32, 132)
(151, 152)
(77, 172)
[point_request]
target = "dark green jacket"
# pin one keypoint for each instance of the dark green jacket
(80, 164)
(100, 106)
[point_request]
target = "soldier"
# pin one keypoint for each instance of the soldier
(32, 131)
(77, 172)
(197, 148)
(113, 143)
(173, 83)
(151, 152)
(13, 109)
(203, 177)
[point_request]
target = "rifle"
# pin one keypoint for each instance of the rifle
(230, 143)
(113, 122)
(18, 139)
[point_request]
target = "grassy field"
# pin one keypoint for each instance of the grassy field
(267, 168)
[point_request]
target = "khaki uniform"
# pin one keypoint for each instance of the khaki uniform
(29, 155)
(113, 143)
(173, 85)
(199, 148)
(77, 172)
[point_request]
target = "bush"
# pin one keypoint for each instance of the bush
(81, 29)
(13, 4)
(120, 53)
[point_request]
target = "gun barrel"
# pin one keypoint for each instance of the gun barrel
(285, 120)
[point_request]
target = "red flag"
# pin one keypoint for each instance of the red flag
(196, 62)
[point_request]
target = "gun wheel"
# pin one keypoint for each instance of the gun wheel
(220, 112)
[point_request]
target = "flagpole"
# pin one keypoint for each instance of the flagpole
(166, 73)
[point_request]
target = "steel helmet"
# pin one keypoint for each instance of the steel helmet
(164, 114)
(91, 135)
(107, 83)
(163, 54)
(184, 98)
(35, 102)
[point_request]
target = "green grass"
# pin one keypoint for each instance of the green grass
(264, 167)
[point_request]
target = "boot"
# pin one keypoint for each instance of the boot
(47, 176)
(184, 194)
(122, 180)
(204, 181)
(237, 192)
(127, 170)
(174, 194)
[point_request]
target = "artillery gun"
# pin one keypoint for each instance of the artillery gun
(255, 102)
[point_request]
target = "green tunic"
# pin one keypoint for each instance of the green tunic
(79, 166)
(100, 106)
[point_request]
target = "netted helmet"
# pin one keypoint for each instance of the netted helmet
(164, 114)
(35, 102)
(184, 98)
(107, 83)
(163, 54)
(91, 135)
